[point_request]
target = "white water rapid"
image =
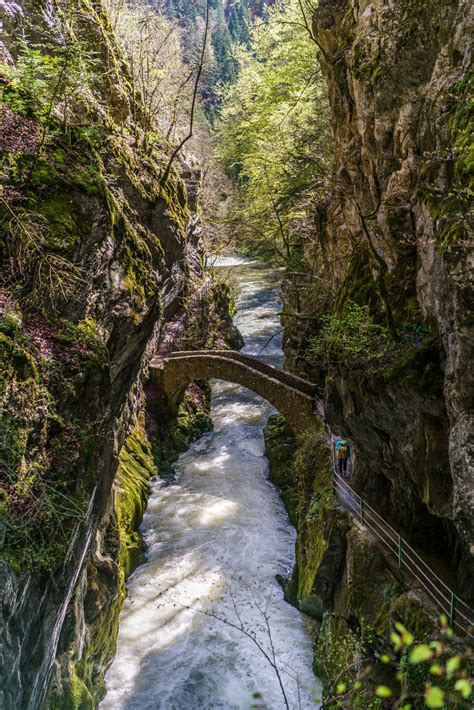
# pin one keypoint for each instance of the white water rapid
(216, 537)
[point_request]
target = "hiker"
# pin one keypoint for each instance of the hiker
(343, 453)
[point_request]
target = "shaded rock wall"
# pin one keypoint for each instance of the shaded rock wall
(398, 232)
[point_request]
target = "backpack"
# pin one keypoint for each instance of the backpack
(342, 451)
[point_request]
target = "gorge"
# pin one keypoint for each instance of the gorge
(326, 152)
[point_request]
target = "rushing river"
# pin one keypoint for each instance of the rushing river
(216, 537)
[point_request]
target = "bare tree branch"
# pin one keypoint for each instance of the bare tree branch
(193, 103)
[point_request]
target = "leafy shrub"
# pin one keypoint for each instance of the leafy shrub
(433, 674)
(353, 338)
(45, 76)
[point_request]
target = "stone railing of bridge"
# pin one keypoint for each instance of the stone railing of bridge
(292, 396)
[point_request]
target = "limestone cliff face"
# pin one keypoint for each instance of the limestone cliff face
(398, 80)
(96, 260)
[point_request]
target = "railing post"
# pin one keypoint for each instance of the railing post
(400, 551)
(361, 507)
(452, 609)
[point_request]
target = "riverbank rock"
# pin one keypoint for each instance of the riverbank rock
(340, 576)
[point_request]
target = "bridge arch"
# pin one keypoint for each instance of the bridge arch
(292, 396)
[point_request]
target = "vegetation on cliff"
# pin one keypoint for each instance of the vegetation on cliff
(59, 192)
(343, 151)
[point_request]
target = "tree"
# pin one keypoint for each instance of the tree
(153, 46)
(270, 136)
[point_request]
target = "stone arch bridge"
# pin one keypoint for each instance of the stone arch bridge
(292, 396)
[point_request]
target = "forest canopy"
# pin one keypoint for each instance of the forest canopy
(270, 136)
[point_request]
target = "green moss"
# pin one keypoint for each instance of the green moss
(364, 66)
(12, 442)
(15, 363)
(312, 476)
(337, 650)
(136, 468)
(137, 255)
(59, 156)
(60, 214)
(11, 322)
(280, 448)
(44, 174)
(76, 696)
(173, 193)
(419, 366)
(358, 286)
(413, 614)
(86, 178)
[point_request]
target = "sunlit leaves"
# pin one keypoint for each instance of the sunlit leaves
(464, 687)
(274, 132)
(396, 639)
(406, 636)
(434, 697)
(452, 665)
(383, 691)
(421, 653)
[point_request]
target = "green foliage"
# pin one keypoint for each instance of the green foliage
(435, 674)
(352, 338)
(313, 511)
(41, 502)
(30, 86)
(420, 653)
(270, 135)
(45, 76)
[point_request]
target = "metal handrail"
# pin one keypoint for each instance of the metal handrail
(460, 614)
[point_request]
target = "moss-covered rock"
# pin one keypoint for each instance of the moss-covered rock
(120, 549)
(280, 449)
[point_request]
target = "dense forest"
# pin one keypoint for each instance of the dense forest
(301, 167)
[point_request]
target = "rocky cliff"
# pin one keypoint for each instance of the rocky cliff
(391, 340)
(396, 246)
(97, 258)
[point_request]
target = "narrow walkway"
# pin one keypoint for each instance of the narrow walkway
(460, 615)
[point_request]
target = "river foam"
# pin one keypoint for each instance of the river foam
(204, 615)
